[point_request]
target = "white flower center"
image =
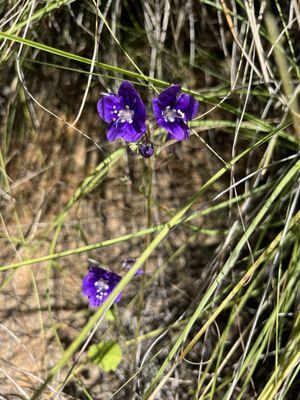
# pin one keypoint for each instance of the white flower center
(169, 114)
(126, 115)
(102, 286)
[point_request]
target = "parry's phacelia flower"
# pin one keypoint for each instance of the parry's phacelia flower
(173, 111)
(125, 113)
(128, 263)
(146, 150)
(98, 284)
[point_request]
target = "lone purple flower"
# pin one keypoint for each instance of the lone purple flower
(173, 111)
(98, 284)
(125, 113)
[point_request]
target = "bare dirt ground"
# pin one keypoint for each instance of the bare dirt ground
(44, 308)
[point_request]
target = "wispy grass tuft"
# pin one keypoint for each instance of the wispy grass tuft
(213, 221)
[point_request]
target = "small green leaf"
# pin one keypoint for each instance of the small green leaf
(110, 316)
(107, 355)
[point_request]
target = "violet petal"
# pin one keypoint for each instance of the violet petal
(188, 105)
(123, 130)
(108, 106)
(168, 96)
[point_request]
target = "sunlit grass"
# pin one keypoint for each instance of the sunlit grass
(235, 333)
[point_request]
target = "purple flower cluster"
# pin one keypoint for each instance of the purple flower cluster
(126, 114)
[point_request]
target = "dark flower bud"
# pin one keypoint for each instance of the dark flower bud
(146, 150)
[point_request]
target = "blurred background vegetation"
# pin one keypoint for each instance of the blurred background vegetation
(216, 313)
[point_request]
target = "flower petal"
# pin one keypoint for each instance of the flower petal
(88, 285)
(188, 104)
(127, 91)
(157, 109)
(139, 116)
(123, 130)
(139, 127)
(131, 98)
(178, 130)
(94, 301)
(107, 106)
(168, 96)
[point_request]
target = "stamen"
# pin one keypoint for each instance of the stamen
(101, 285)
(126, 115)
(170, 115)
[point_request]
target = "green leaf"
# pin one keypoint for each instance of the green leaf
(107, 355)
(110, 316)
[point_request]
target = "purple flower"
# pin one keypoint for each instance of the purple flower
(146, 150)
(173, 111)
(128, 263)
(98, 284)
(125, 112)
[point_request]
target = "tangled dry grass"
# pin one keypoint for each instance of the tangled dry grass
(220, 52)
